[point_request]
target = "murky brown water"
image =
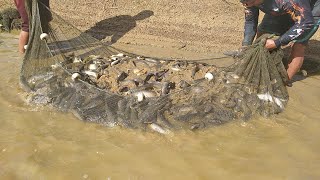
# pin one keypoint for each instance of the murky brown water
(38, 143)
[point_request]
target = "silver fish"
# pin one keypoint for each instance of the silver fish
(157, 128)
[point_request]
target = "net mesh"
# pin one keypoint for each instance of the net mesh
(75, 72)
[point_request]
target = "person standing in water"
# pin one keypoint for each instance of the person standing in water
(295, 21)
(24, 34)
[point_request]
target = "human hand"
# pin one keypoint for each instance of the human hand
(270, 44)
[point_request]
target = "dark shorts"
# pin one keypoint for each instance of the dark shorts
(278, 25)
(20, 4)
(23, 13)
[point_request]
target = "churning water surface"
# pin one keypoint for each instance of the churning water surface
(41, 143)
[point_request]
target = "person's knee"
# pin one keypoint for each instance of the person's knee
(298, 49)
(24, 35)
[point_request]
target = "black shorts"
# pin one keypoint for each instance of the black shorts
(277, 25)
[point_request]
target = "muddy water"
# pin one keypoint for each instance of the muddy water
(39, 143)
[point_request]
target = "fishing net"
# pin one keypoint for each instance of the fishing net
(74, 72)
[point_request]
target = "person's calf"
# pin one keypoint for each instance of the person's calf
(23, 40)
(296, 59)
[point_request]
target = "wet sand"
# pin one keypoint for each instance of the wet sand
(41, 143)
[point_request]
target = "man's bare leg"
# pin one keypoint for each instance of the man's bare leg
(23, 40)
(296, 59)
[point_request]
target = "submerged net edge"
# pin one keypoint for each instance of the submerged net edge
(208, 103)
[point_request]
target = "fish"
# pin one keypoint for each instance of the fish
(91, 74)
(183, 84)
(122, 76)
(68, 59)
(148, 77)
(145, 93)
(176, 67)
(115, 62)
(194, 71)
(160, 75)
(129, 83)
(267, 97)
(163, 120)
(92, 67)
(124, 89)
(157, 128)
(75, 76)
(151, 60)
(167, 86)
(196, 126)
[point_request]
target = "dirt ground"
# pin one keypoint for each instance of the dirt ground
(199, 26)
(167, 28)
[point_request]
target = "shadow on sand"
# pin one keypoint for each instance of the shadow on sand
(116, 27)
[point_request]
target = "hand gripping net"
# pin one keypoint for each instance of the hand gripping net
(74, 72)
